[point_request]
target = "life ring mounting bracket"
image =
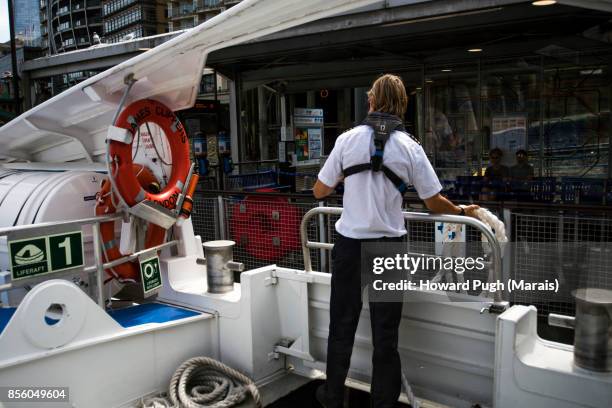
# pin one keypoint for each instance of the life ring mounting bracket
(154, 213)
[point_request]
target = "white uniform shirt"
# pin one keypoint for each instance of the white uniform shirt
(372, 204)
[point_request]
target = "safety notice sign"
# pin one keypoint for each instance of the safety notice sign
(45, 254)
(150, 275)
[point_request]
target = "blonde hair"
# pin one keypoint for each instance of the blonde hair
(388, 95)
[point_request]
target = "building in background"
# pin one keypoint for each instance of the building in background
(8, 108)
(7, 104)
(187, 14)
(183, 15)
(128, 19)
(67, 25)
(27, 22)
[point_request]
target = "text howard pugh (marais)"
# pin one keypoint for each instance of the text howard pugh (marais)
(399, 265)
(469, 285)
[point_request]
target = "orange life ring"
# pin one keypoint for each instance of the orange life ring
(126, 182)
(104, 206)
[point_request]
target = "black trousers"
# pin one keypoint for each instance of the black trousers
(345, 308)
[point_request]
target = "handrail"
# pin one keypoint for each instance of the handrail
(131, 257)
(51, 224)
(98, 267)
(409, 216)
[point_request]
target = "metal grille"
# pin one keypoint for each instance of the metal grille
(573, 249)
(306, 177)
(205, 218)
(332, 234)
(266, 231)
(421, 240)
(208, 182)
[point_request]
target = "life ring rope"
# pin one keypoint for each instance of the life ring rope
(159, 156)
(120, 153)
(130, 183)
(156, 235)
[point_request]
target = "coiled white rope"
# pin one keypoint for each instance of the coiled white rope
(206, 382)
(498, 229)
(451, 237)
(495, 224)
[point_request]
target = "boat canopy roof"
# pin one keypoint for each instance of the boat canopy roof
(72, 126)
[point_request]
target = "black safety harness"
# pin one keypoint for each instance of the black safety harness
(383, 125)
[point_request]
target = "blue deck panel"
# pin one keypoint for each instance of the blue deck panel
(149, 313)
(5, 315)
(126, 317)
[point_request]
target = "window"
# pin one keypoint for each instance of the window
(207, 85)
(186, 8)
(75, 75)
(116, 5)
(123, 20)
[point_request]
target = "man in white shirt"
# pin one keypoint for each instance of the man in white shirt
(375, 171)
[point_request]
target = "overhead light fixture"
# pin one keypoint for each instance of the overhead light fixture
(428, 81)
(446, 70)
(475, 50)
(544, 2)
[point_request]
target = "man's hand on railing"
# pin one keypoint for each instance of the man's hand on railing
(441, 205)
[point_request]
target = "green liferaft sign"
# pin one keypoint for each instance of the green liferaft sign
(66, 250)
(41, 255)
(28, 257)
(150, 274)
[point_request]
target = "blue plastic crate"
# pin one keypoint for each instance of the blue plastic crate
(449, 187)
(469, 186)
(519, 190)
(543, 189)
(583, 190)
(252, 181)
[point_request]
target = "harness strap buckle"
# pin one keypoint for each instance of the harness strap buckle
(382, 125)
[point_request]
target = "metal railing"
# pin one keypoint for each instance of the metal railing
(41, 229)
(540, 225)
(496, 262)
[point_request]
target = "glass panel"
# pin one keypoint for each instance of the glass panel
(510, 111)
(451, 122)
(577, 115)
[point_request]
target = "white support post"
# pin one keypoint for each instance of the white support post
(234, 120)
(221, 212)
(99, 264)
(322, 238)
